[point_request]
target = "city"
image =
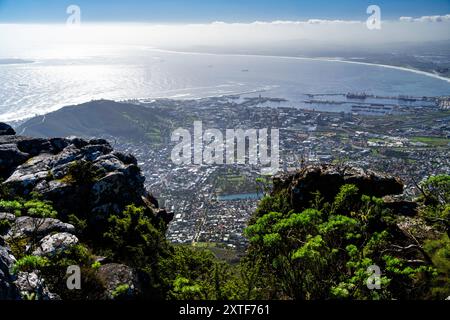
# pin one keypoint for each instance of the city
(409, 141)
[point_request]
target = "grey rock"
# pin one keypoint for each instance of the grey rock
(35, 146)
(32, 285)
(10, 158)
(39, 227)
(53, 189)
(109, 163)
(114, 275)
(78, 142)
(28, 175)
(41, 165)
(328, 179)
(54, 243)
(8, 290)
(7, 216)
(59, 144)
(6, 130)
(99, 141)
(126, 158)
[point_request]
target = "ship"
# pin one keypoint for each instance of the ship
(361, 95)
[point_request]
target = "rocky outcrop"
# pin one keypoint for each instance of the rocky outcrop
(37, 227)
(107, 181)
(328, 179)
(114, 275)
(32, 286)
(6, 130)
(8, 290)
(82, 177)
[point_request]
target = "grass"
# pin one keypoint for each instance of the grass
(432, 141)
(377, 140)
(219, 250)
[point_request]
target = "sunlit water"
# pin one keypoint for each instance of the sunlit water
(48, 84)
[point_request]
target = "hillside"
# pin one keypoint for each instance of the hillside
(99, 118)
(70, 204)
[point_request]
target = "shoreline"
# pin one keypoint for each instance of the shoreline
(325, 59)
(17, 121)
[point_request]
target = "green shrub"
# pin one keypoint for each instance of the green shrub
(439, 251)
(11, 206)
(133, 238)
(34, 208)
(184, 289)
(79, 223)
(121, 291)
(82, 173)
(39, 209)
(325, 252)
(437, 189)
(96, 265)
(30, 263)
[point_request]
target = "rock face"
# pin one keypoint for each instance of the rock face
(32, 286)
(8, 290)
(104, 181)
(6, 130)
(328, 179)
(114, 275)
(38, 227)
(79, 177)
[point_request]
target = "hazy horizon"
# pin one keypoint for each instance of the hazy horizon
(18, 39)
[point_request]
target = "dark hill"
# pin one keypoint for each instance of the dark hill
(99, 118)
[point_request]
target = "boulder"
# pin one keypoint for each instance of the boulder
(328, 179)
(114, 275)
(32, 286)
(118, 187)
(35, 146)
(8, 290)
(55, 243)
(10, 158)
(6, 130)
(7, 216)
(39, 227)
(27, 175)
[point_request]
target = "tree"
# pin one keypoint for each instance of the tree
(133, 238)
(325, 252)
(436, 199)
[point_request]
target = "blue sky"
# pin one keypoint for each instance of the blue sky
(54, 11)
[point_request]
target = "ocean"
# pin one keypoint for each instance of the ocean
(48, 84)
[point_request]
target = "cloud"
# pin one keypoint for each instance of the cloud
(406, 19)
(438, 18)
(277, 34)
(289, 22)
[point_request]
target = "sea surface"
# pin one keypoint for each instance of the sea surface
(47, 84)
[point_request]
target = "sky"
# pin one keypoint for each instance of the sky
(33, 25)
(203, 11)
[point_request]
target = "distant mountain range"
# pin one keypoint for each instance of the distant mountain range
(14, 61)
(430, 56)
